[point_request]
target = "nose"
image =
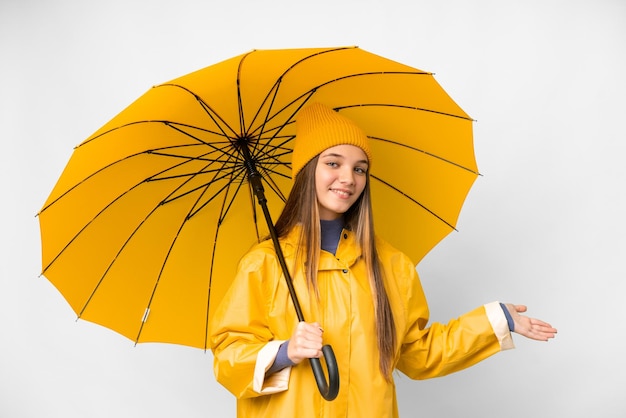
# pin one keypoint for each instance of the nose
(346, 175)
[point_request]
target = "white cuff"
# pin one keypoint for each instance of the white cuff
(277, 382)
(500, 325)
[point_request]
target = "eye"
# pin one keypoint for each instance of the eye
(360, 170)
(332, 164)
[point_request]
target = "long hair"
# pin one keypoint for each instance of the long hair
(301, 208)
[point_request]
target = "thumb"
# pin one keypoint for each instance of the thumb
(520, 308)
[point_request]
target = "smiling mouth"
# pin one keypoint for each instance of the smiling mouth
(341, 193)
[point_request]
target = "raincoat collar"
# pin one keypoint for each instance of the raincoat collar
(348, 250)
(347, 254)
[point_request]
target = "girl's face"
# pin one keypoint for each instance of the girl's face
(340, 177)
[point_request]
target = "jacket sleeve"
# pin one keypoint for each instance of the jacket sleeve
(241, 340)
(441, 349)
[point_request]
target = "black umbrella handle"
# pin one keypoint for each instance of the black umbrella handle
(328, 390)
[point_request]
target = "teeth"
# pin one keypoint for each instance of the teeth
(341, 192)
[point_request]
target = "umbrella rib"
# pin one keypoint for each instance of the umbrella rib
(189, 158)
(192, 212)
(123, 246)
(191, 174)
(242, 123)
(265, 119)
(266, 159)
(272, 185)
(153, 152)
(421, 109)
(273, 93)
(104, 208)
(223, 213)
(232, 159)
(414, 201)
(186, 157)
(157, 121)
(120, 196)
(269, 152)
(176, 126)
(207, 108)
(307, 94)
(216, 194)
(211, 112)
(163, 264)
(277, 129)
(305, 97)
(195, 189)
(430, 154)
(279, 80)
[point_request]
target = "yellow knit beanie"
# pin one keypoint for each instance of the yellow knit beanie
(319, 127)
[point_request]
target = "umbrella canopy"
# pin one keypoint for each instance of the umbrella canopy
(144, 228)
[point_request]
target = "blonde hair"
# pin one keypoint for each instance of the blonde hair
(301, 208)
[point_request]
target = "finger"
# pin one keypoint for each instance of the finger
(314, 328)
(520, 308)
(308, 329)
(307, 337)
(541, 328)
(297, 353)
(543, 336)
(542, 331)
(539, 322)
(310, 343)
(548, 331)
(309, 352)
(309, 347)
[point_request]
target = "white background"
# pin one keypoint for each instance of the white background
(543, 226)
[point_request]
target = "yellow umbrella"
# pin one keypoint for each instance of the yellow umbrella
(144, 228)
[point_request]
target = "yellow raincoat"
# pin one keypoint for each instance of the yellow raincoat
(257, 315)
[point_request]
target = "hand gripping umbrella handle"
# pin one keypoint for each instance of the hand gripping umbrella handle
(328, 390)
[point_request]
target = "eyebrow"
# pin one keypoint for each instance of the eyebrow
(333, 154)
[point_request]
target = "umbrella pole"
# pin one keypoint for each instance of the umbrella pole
(328, 390)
